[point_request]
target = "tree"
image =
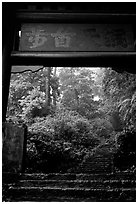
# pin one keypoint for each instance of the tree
(78, 88)
(31, 93)
(120, 96)
(55, 86)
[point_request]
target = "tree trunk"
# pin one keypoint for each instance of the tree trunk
(76, 97)
(54, 91)
(48, 98)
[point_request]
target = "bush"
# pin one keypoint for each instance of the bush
(54, 156)
(102, 128)
(64, 125)
(60, 141)
(125, 157)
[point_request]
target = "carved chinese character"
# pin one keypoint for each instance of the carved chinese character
(62, 39)
(115, 38)
(37, 37)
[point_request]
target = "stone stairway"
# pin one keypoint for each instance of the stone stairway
(101, 161)
(69, 187)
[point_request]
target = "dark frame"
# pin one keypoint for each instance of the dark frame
(16, 13)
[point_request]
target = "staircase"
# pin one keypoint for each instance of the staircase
(93, 181)
(69, 187)
(101, 161)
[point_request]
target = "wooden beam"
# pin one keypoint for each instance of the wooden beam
(75, 17)
(120, 60)
(70, 54)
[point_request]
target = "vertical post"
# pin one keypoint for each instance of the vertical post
(6, 73)
(7, 45)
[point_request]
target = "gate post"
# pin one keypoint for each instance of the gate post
(8, 27)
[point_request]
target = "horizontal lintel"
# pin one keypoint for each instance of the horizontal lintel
(75, 17)
(71, 54)
(118, 60)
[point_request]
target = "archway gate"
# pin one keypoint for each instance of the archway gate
(66, 34)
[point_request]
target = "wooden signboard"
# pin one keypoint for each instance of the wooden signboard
(76, 37)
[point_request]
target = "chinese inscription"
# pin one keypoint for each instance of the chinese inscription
(38, 38)
(62, 39)
(116, 37)
(76, 37)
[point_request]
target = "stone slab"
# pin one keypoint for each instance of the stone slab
(13, 147)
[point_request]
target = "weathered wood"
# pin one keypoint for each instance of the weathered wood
(6, 73)
(75, 17)
(51, 55)
(8, 27)
(119, 61)
(77, 37)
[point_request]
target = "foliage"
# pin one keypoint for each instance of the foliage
(53, 156)
(32, 103)
(78, 88)
(125, 157)
(120, 97)
(64, 120)
(127, 109)
(64, 125)
(29, 92)
(102, 128)
(120, 105)
(61, 141)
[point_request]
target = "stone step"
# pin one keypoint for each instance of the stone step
(100, 161)
(97, 161)
(98, 168)
(98, 164)
(76, 183)
(46, 194)
(10, 177)
(95, 168)
(69, 187)
(87, 170)
(100, 156)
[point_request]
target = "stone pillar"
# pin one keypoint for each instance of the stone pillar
(14, 146)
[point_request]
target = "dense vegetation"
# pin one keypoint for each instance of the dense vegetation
(70, 111)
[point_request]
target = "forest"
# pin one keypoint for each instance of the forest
(71, 111)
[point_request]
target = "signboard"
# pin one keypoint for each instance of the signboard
(76, 37)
